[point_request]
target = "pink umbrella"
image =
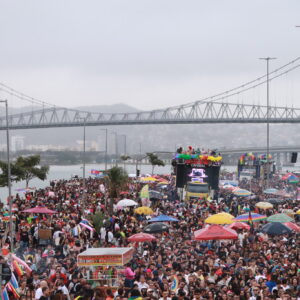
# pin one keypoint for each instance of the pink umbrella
(292, 226)
(141, 237)
(239, 225)
(215, 232)
(39, 210)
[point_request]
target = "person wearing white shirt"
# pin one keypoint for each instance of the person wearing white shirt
(39, 292)
(142, 283)
(110, 237)
(103, 233)
(63, 288)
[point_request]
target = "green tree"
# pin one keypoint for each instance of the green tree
(155, 161)
(125, 158)
(16, 173)
(117, 180)
(29, 168)
(97, 220)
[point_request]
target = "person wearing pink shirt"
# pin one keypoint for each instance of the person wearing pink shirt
(129, 276)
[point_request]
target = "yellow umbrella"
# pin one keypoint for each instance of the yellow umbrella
(220, 218)
(144, 210)
(148, 179)
(163, 183)
(264, 205)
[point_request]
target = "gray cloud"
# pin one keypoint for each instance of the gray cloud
(146, 53)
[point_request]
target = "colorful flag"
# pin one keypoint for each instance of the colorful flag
(87, 226)
(17, 268)
(23, 263)
(174, 285)
(14, 281)
(5, 294)
(251, 222)
(13, 290)
(87, 222)
(96, 172)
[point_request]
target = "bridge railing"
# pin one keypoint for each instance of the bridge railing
(202, 112)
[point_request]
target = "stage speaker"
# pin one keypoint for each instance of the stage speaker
(294, 157)
(180, 175)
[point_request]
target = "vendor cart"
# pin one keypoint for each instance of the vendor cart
(105, 265)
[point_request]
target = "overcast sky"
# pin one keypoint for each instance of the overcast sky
(145, 53)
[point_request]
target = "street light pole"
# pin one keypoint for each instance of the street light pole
(116, 145)
(83, 166)
(9, 176)
(267, 59)
(125, 143)
(105, 147)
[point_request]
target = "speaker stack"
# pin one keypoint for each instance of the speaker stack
(294, 157)
(180, 175)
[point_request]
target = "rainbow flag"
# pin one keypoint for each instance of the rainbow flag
(174, 285)
(17, 268)
(13, 290)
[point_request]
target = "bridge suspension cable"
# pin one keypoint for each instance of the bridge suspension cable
(220, 96)
(13, 92)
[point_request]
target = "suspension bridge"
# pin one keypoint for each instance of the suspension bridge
(215, 109)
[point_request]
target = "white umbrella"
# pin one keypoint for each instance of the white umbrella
(126, 202)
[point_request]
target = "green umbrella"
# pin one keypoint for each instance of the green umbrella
(282, 218)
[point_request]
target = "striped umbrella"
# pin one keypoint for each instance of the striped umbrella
(282, 218)
(293, 179)
(247, 218)
(241, 192)
(292, 226)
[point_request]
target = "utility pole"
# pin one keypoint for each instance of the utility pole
(83, 167)
(116, 145)
(267, 59)
(9, 176)
(105, 147)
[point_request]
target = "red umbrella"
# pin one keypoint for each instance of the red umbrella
(292, 226)
(141, 237)
(215, 232)
(124, 193)
(239, 225)
(40, 210)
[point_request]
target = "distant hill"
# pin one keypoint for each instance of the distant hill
(114, 108)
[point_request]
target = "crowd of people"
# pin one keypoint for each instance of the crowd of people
(172, 267)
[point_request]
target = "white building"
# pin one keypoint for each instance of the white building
(17, 143)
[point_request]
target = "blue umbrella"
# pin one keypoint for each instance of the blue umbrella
(163, 218)
(233, 183)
